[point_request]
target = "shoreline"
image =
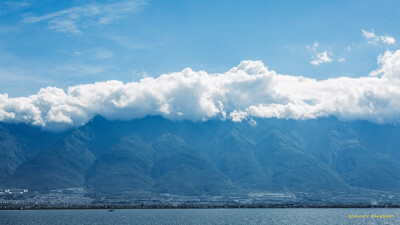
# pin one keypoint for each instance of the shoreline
(114, 207)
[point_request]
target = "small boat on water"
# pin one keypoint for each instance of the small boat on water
(110, 210)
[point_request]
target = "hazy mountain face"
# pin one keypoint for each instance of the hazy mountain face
(156, 155)
(11, 155)
(19, 142)
(126, 167)
(59, 165)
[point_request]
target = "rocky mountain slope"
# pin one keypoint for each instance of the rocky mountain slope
(155, 155)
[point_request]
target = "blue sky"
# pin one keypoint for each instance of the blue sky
(65, 43)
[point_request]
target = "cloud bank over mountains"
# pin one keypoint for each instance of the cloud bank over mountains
(247, 91)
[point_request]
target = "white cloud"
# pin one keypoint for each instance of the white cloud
(341, 59)
(322, 57)
(245, 92)
(372, 38)
(74, 19)
(319, 57)
(389, 65)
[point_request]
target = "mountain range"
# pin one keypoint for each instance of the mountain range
(155, 155)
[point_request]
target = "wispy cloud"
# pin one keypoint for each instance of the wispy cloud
(313, 47)
(319, 57)
(74, 69)
(102, 53)
(374, 39)
(132, 44)
(10, 7)
(73, 20)
(14, 5)
(96, 53)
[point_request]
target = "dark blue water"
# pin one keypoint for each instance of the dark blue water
(199, 216)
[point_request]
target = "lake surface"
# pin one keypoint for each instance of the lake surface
(199, 216)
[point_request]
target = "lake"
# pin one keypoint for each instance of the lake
(202, 216)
